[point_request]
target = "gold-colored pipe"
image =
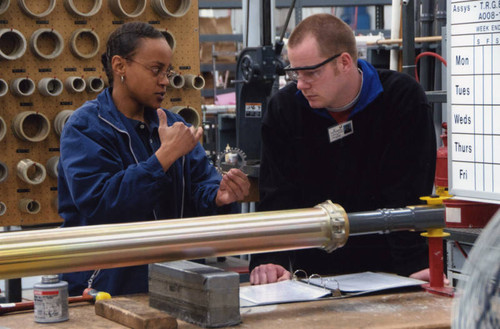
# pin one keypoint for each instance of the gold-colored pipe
(105, 246)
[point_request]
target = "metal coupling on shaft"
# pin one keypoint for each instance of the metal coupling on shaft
(338, 225)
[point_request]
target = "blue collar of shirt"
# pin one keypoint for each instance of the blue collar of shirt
(109, 111)
(151, 118)
(370, 90)
(133, 124)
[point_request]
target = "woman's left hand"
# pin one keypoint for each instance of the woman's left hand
(234, 186)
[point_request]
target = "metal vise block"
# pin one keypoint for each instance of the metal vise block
(204, 295)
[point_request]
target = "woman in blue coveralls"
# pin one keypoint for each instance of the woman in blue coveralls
(125, 159)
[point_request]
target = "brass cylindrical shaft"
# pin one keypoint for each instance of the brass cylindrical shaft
(105, 246)
(81, 248)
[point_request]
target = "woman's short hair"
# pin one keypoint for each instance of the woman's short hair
(124, 41)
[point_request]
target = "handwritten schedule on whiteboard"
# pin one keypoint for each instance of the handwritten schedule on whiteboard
(474, 99)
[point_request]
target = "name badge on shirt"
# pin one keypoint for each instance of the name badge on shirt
(340, 131)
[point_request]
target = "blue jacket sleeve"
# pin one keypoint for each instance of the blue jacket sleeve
(205, 182)
(101, 187)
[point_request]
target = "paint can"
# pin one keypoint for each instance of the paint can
(51, 300)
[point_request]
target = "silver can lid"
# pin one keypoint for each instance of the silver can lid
(53, 278)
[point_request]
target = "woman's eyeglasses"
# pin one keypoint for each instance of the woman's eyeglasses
(157, 71)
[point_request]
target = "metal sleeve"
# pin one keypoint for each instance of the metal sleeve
(52, 34)
(4, 87)
(3, 208)
(31, 172)
(170, 38)
(25, 8)
(4, 172)
(31, 126)
(95, 84)
(51, 166)
(16, 44)
(71, 8)
(4, 5)
(164, 10)
(22, 87)
(194, 81)
(116, 8)
(84, 35)
(60, 120)
(3, 128)
(176, 81)
(75, 84)
(50, 87)
(29, 206)
(189, 114)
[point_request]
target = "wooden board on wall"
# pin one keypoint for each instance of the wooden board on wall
(12, 149)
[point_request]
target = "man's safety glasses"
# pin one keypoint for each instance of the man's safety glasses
(307, 73)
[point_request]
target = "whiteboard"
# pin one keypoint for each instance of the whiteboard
(474, 99)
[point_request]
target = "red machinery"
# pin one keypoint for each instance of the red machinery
(459, 214)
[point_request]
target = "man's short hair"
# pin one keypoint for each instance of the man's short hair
(331, 33)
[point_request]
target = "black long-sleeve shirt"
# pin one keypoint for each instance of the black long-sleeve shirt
(388, 162)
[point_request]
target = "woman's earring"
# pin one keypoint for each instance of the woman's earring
(122, 78)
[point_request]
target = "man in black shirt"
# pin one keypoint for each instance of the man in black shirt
(347, 132)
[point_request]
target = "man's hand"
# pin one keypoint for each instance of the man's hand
(234, 186)
(269, 273)
(425, 275)
(176, 140)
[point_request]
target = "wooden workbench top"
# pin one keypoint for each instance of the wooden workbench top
(400, 310)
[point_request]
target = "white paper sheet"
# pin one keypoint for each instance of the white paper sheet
(365, 281)
(282, 292)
